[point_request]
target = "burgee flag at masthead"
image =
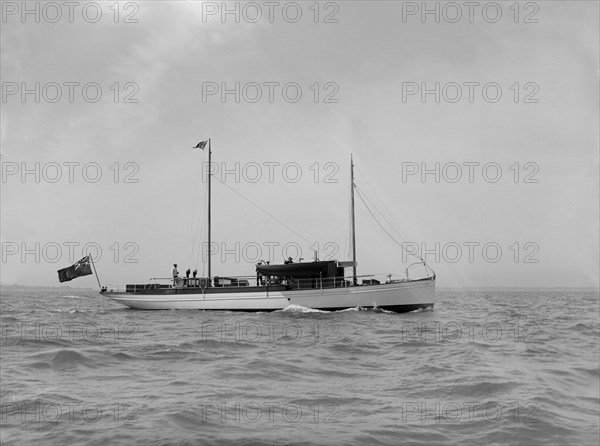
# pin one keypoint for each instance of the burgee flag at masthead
(201, 145)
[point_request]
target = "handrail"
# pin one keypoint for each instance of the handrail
(422, 262)
(254, 277)
(268, 281)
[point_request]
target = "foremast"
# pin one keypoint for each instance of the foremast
(209, 194)
(354, 279)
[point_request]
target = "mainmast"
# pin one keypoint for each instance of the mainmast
(209, 228)
(354, 280)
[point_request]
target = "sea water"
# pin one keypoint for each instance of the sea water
(482, 367)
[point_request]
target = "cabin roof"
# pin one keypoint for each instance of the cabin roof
(299, 270)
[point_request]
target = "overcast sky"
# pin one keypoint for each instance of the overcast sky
(517, 96)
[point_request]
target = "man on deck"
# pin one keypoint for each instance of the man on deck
(175, 274)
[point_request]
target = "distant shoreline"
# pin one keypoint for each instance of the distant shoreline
(43, 288)
(518, 288)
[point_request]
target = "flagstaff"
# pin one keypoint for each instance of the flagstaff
(94, 267)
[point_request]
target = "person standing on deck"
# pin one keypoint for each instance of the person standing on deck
(175, 274)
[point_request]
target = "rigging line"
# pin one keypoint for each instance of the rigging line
(381, 226)
(399, 233)
(383, 229)
(417, 253)
(383, 216)
(395, 226)
(262, 210)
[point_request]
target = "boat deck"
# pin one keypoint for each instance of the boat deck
(195, 286)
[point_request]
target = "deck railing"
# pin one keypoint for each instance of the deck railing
(156, 283)
(343, 281)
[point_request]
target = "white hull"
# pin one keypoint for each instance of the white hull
(400, 297)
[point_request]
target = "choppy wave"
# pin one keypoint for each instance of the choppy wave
(482, 367)
(293, 308)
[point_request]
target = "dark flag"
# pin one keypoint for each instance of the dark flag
(81, 268)
(201, 145)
